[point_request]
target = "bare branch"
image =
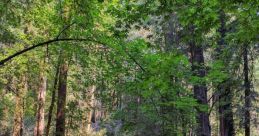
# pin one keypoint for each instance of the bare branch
(2, 62)
(64, 29)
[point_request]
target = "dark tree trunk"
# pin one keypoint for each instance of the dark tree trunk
(200, 91)
(62, 94)
(226, 114)
(172, 36)
(224, 94)
(247, 91)
(53, 99)
(62, 86)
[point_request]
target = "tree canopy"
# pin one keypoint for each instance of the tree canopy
(129, 67)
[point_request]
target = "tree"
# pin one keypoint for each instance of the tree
(53, 98)
(39, 127)
(224, 88)
(200, 91)
(247, 91)
(61, 101)
(19, 106)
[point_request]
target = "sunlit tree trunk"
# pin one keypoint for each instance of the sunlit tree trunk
(39, 126)
(19, 106)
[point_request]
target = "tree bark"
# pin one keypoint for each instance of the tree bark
(19, 104)
(226, 114)
(247, 91)
(62, 94)
(39, 126)
(62, 86)
(91, 114)
(224, 98)
(53, 99)
(200, 91)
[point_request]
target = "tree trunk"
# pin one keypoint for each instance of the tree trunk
(91, 114)
(19, 104)
(224, 97)
(53, 99)
(226, 114)
(171, 33)
(247, 91)
(62, 86)
(39, 126)
(62, 94)
(200, 91)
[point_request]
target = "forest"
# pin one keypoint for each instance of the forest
(129, 68)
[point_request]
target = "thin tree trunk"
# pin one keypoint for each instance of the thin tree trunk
(247, 91)
(53, 99)
(39, 127)
(19, 104)
(200, 91)
(62, 94)
(91, 114)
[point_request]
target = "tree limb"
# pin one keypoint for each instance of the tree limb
(3, 61)
(64, 29)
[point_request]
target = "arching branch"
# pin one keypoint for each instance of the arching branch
(3, 61)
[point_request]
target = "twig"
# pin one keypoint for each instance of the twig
(64, 29)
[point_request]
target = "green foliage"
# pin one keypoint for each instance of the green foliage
(138, 83)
